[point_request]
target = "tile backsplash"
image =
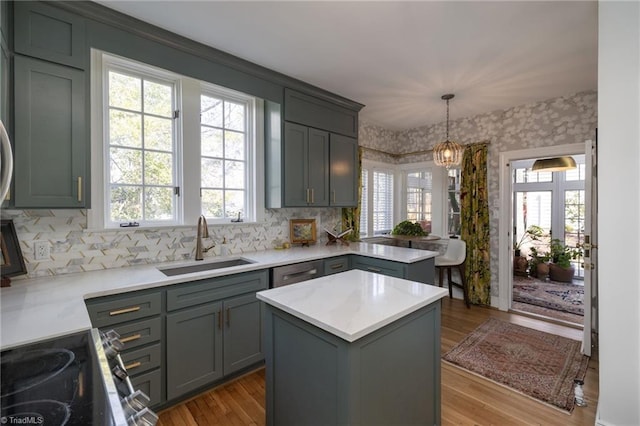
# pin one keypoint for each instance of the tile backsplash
(76, 249)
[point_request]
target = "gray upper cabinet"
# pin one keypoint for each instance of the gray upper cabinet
(343, 171)
(50, 135)
(46, 32)
(313, 112)
(306, 175)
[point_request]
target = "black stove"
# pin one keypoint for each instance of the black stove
(54, 382)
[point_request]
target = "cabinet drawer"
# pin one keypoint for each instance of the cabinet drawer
(139, 333)
(336, 264)
(379, 266)
(123, 308)
(184, 295)
(140, 360)
(151, 384)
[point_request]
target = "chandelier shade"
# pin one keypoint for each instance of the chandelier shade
(555, 164)
(447, 153)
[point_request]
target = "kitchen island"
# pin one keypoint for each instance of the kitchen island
(354, 348)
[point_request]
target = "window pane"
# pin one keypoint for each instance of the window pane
(125, 203)
(158, 133)
(234, 116)
(419, 186)
(157, 168)
(211, 111)
(125, 166)
(211, 142)
(211, 202)
(158, 99)
(234, 174)
(382, 202)
(575, 174)
(158, 203)
(234, 203)
(125, 129)
(125, 91)
(234, 145)
(364, 215)
(211, 173)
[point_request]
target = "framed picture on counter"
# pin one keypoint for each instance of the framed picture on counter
(302, 231)
(11, 260)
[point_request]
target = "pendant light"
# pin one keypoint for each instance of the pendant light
(447, 153)
(555, 164)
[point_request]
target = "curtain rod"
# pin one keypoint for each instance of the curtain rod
(406, 154)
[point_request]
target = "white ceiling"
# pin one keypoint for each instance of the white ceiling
(398, 57)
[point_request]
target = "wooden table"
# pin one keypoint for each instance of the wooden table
(412, 238)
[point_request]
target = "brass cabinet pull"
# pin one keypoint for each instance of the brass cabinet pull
(130, 338)
(132, 365)
(228, 317)
(306, 196)
(333, 195)
(79, 189)
(124, 311)
(337, 266)
(312, 196)
(372, 269)
(220, 320)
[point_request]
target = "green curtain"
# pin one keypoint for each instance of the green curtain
(474, 212)
(351, 215)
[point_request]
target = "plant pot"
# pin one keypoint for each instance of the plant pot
(520, 265)
(542, 271)
(563, 275)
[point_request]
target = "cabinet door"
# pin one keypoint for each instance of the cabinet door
(343, 178)
(49, 33)
(242, 332)
(50, 135)
(318, 167)
(194, 348)
(296, 152)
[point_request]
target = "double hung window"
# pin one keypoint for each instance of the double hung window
(172, 148)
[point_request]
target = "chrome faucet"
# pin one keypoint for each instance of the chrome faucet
(202, 232)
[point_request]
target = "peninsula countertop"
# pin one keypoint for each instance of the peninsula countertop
(354, 303)
(48, 307)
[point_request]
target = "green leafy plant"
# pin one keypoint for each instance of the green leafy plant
(406, 227)
(562, 255)
(533, 233)
(536, 258)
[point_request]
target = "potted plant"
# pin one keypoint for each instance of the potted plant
(538, 263)
(406, 227)
(561, 256)
(520, 263)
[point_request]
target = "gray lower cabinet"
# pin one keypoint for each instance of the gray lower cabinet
(214, 328)
(137, 318)
(243, 344)
(389, 377)
(422, 271)
(50, 135)
(334, 265)
(194, 348)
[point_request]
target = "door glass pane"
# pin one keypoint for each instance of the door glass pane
(533, 208)
(574, 211)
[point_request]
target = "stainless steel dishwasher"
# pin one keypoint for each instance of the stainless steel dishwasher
(291, 274)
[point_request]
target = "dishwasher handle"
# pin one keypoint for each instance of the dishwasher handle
(313, 271)
(298, 272)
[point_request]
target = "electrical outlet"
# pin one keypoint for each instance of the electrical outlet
(41, 250)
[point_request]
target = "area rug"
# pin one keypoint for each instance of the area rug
(540, 365)
(563, 297)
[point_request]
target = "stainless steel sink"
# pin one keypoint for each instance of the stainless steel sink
(200, 267)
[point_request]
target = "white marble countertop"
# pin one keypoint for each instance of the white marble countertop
(352, 304)
(41, 308)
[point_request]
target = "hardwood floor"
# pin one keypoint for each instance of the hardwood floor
(466, 399)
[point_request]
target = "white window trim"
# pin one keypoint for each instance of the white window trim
(372, 166)
(188, 128)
